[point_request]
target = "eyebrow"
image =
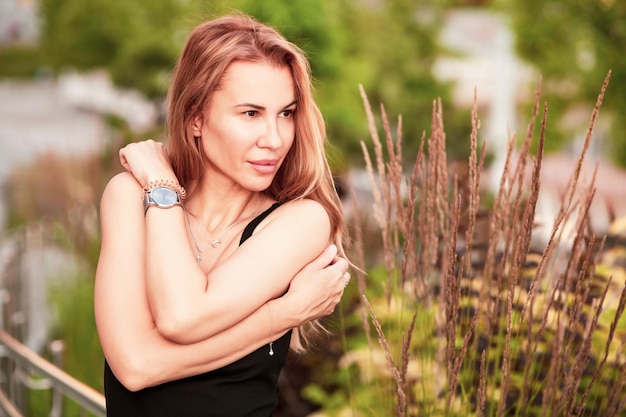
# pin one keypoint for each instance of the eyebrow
(257, 107)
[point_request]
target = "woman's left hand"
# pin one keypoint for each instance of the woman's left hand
(147, 161)
(317, 288)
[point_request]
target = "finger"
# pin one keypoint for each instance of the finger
(346, 278)
(163, 150)
(123, 159)
(338, 267)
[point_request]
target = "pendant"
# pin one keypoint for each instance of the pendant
(216, 243)
(198, 258)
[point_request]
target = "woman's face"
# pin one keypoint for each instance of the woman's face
(249, 126)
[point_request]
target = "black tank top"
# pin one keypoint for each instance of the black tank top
(246, 387)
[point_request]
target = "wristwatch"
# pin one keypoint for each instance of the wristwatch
(161, 197)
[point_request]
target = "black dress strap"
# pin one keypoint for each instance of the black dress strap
(247, 232)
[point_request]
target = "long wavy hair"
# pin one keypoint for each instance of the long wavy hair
(210, 49)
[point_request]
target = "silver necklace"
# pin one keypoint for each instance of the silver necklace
(217, 242)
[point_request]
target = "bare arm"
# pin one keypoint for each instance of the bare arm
(189, 305)
(138, 354)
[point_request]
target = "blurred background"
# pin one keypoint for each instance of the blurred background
(79, 79)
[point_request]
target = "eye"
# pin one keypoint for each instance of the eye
(251, 113)
(287, 113)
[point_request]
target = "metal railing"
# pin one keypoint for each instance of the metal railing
(61, 383)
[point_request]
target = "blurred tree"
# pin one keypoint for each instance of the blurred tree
(146, 58)
(133, 39)
(574, 44)
(81, 35)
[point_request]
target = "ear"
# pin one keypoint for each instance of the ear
(196, 126)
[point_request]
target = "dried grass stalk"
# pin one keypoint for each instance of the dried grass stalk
(521, 328)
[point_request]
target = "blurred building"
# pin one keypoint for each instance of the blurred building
(18, 21)
(486, 68)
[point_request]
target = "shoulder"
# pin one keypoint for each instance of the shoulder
(279, 237)
(122, 191)
(304, 207)
(302, 214)
(123, 182)
(121, 185)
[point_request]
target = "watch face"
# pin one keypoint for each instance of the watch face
(164, 196)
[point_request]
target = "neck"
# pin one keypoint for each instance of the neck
(216, 212)
(214, 239)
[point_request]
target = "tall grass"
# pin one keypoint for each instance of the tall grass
(471, 317)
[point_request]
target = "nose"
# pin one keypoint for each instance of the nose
(271, 137)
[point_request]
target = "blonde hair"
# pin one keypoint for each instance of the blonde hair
(210, 49)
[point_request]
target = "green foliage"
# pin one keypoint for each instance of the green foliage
(574, 44)
(20, 61)
(83, 35)
(72, 300)
(133, 39)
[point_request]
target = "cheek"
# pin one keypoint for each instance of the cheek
(287, 130)
(218, 138)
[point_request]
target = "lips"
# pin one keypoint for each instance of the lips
(265, 166)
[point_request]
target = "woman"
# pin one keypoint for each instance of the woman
(197, 291)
